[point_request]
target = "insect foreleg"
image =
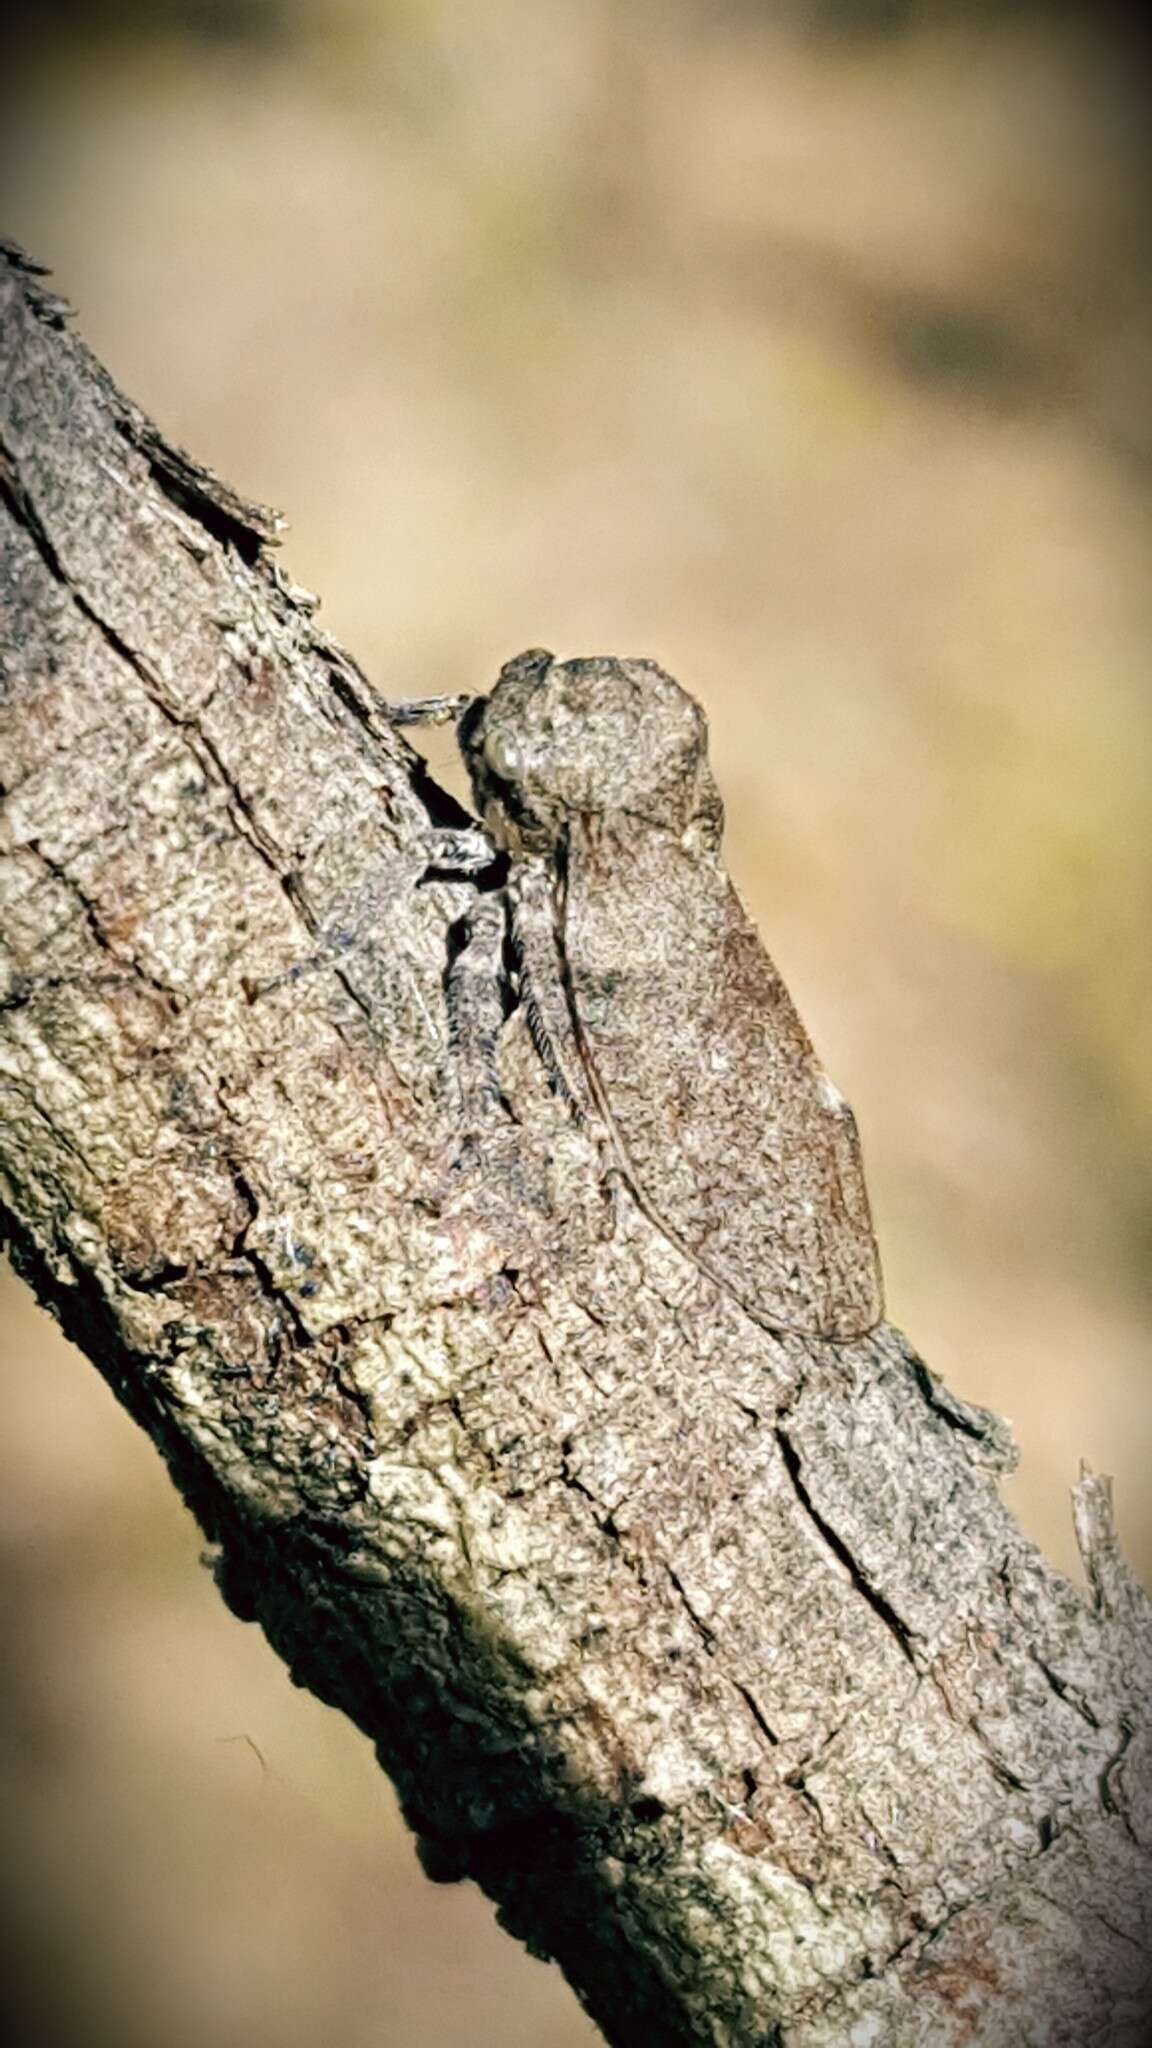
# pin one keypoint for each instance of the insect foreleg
(543, 987)
(428, 710)
(473, 992)
(457, 851)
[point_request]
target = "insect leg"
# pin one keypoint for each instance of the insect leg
(473, 992)
(538, 950)
(543, 987)
(462, 850)
(428, 710)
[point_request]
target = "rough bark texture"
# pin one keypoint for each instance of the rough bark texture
(715, 1659)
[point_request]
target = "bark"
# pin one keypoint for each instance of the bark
(716, 1659)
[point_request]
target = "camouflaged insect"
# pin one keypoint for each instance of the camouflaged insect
(651, 997)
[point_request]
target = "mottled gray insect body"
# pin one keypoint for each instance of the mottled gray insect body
(651, 997)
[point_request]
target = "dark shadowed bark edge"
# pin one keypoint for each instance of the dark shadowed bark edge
(715, 1659)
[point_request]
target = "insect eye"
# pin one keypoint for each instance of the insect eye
(503, 756)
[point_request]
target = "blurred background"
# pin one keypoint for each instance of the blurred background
(806, 348)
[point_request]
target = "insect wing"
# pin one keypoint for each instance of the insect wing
(734, 1139)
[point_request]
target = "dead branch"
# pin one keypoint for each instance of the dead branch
(714, 1658)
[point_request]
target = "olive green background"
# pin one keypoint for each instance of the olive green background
(805, 348)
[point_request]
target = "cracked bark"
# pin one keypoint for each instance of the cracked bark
(716, 1659)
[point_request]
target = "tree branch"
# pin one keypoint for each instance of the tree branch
(714, 1658)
